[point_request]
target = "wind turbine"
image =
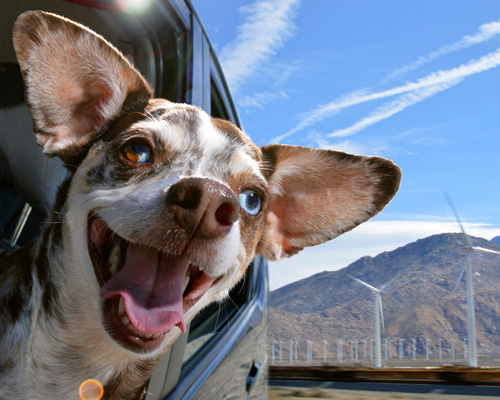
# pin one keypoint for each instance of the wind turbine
(309, 351)
(401, 348)
(273, 355)
(379, 315)
(470, 249)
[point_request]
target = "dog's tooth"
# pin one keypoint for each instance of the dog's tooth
(113, 269)
(132, 328)
(121, 307)
(114, 259)
(186, 282)
(114, 255)
(125, 320)
(116, 249)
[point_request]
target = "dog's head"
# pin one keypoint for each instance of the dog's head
(167, 206)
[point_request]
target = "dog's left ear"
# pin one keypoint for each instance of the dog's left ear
(317, 195)
(76, 82)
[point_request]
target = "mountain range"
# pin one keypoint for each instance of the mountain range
(418, 303)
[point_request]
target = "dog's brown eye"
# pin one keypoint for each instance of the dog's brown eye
(137, 152)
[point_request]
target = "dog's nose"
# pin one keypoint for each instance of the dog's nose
(203, 207)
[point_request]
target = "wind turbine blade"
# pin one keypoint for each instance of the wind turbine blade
(483, 250)
(381, 311)
(388, 283)
(457, 217)
(461, 273)
(392, 280)
(364, 283)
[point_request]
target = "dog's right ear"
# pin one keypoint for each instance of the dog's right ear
(316, 195)
(76, 82)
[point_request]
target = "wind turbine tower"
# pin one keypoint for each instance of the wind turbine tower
(471, 316)
(379, 316)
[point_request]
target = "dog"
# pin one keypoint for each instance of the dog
(163, 210)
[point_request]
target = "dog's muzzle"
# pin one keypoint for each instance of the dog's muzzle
(146, 290)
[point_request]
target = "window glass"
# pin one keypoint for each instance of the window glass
(217, 109)
(213, 318)
(170, 43)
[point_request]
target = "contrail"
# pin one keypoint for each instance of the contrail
(489, 61)
(485, 32)
(394, 107)
(443, 80)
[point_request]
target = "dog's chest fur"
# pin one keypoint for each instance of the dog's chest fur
(15, 293)
(43, 354)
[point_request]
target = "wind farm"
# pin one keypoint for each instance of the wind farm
(471, 314)
(424, 320)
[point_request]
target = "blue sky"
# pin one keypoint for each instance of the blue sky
(417, 82)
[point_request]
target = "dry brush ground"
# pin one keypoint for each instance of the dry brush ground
(289, 393)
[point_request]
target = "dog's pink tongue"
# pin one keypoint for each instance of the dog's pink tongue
(151, 286)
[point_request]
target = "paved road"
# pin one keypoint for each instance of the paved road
(472, 391)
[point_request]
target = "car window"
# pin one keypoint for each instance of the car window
(217, 109)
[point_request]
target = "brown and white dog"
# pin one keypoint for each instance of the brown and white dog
(164, 210)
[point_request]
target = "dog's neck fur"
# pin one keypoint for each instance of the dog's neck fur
(15, 293)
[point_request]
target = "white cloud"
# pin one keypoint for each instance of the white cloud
(424, 88)
(259, 100)
(368, 147)
(346, 146)
(485, 32)
(285, 73)
(368, 239)
(268, 24)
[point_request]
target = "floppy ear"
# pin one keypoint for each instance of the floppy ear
(76, 82)
(317, 195)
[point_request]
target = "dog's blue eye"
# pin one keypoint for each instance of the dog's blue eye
(250, 201)
(137, 152)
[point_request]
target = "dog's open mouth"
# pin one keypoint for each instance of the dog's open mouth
(146, 292)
